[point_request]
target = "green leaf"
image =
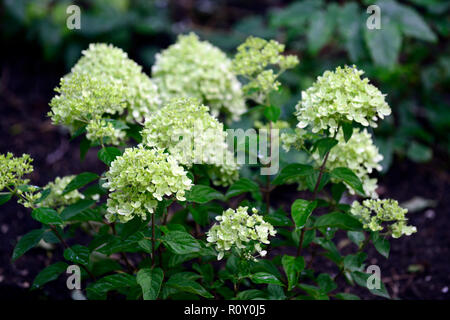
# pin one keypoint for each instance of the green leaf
(272, 113)
(48, 274)
(44, 194)
(203, 194)
(85, 144)
(108, 154)
(5, 197)
(346, 175)
(301, 210)
(346, 296)
(265, 277)
(326, 283)
(410, 22)
(79, 181)
(180, 242)
(361, 279)
(46, 216)
(324, 145)
(381, 244)
(186, 284)
(319, 31)
(150, 281)
(384, 44)
(338, 220)
(78, 254)
(27, 242)
(76, 208)
(418, 152)
(241, 186)
(347, 128)
(357, 237)
(292, 267)
(292, 171)
(99, 289)
(200, 215)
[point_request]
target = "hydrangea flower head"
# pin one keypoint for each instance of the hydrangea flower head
(55, 198)
(253, 61)
(373, 214)
(140, 178)
(341, 96)
(13, 169)
(194, 68)
(104, 82)
(186, 130)
(236, 228)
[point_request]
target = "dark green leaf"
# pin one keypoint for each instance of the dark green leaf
(76, 208)
(27, 242)
(326, 283)
(79, 181)
(48, 274)
(346, 296)
(5, 197)
(186, 284)
(78, 254)
(384, 44)
(292, 171)
(180, 242)
(108, 154)
(346, 175)
(272, 113)
(99, 289)
(203, 194)
(347, 128)
(301, 210)
(150, 281)
(46, 216)
(292, 267)
(338, 220)
(324, 145)
(241, 186)
(381, 244)
(361, 278)
(265, 277)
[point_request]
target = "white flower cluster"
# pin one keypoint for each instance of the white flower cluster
(140, 178)
(186, 130)
(194, 68)
(373, 214)
(238, 228)
(104, 82)
(56, 199)
(341, 96)
(359, 154)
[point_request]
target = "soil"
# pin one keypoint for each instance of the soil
(26, 87)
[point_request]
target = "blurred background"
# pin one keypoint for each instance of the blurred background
(408, 59)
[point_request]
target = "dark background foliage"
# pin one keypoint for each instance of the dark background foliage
(409, 59)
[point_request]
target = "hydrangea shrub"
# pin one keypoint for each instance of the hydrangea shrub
(148, 216)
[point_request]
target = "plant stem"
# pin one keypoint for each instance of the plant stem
(153, 238)
(316, 188)
(60, 238)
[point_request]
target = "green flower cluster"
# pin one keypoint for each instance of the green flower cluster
(12, 170)
(358, 154)
(100, 129)
(341, 96)
(104, 82)
(140, 178)
(55, 198)
(253, 61)
(373, 213)
(238, 228)
(186, 130)
(194, 68)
